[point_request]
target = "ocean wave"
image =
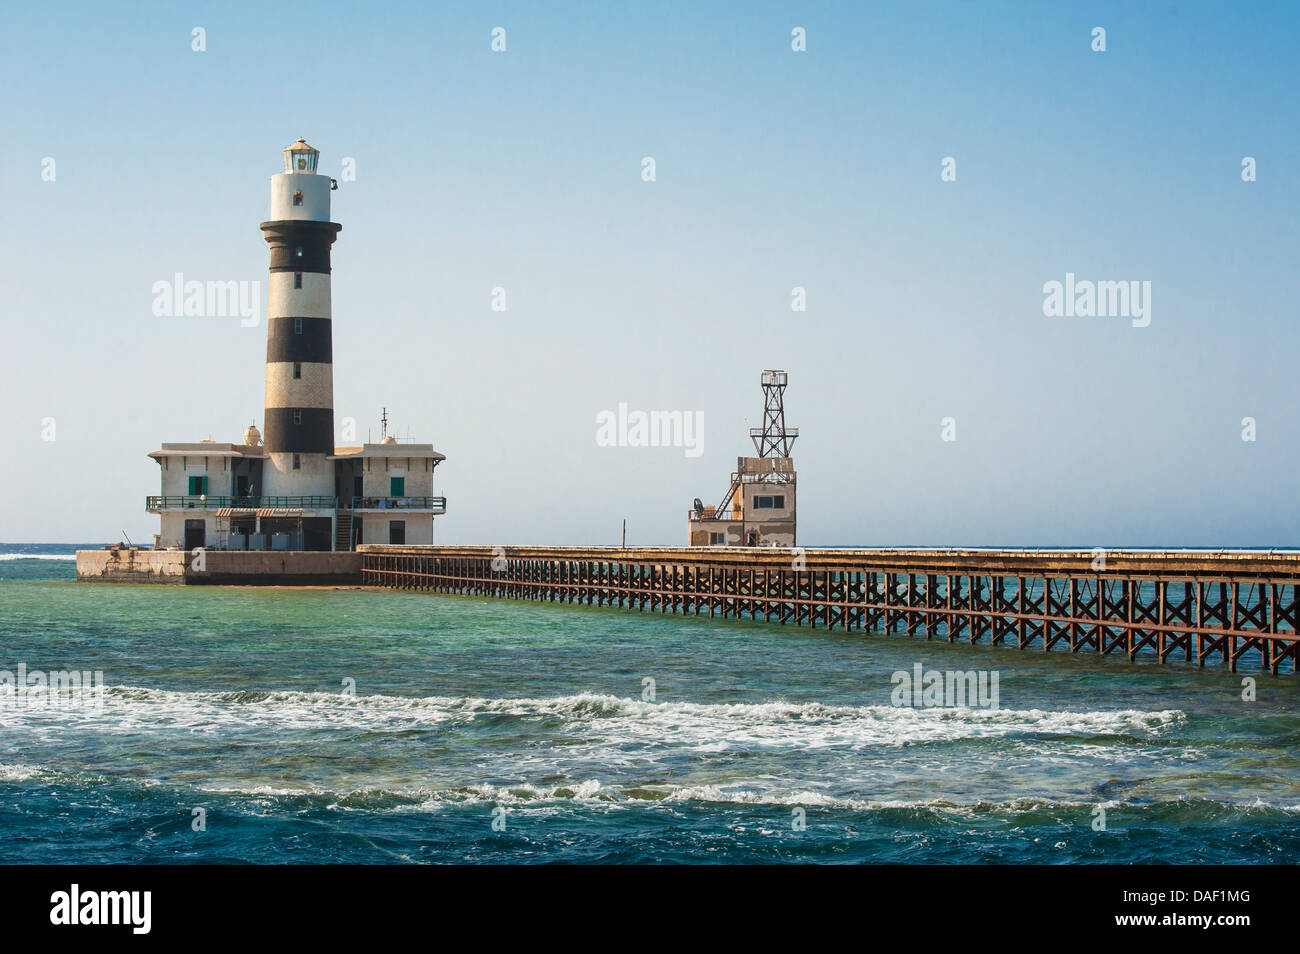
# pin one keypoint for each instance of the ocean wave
(585, 725)
(754, 794)
(37, 556)
(20, 773)
(757, 794)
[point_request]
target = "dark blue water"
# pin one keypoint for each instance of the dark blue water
(370, 726)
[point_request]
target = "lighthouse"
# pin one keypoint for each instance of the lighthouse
(289, 487)
(299, 416)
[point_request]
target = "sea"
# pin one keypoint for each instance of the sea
(328, 725)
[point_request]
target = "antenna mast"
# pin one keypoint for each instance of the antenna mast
(773, 439)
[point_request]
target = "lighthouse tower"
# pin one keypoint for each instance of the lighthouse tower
(290, 487)
(299, 421)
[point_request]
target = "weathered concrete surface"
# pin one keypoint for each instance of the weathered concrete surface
(220, 567)
(269, 568)
(131, 566)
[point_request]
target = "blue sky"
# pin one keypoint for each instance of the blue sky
(775, 169)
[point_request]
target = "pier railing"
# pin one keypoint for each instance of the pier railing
(1229, 606)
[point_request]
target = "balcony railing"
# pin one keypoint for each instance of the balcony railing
(435, 504)
(216, 502)
(719, 515)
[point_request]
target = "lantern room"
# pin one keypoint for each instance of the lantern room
(301, 157)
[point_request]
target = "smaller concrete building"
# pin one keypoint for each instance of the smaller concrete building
(759, 507)
(758, 511)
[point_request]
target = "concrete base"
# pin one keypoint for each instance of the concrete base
(220, 567)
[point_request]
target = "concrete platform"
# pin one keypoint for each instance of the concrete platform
(220, 567)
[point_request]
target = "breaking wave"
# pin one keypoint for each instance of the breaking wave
(591, 794)
(720, 725)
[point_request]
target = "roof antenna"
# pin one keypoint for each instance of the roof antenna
(384, 419)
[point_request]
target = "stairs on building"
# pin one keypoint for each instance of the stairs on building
(343, 530)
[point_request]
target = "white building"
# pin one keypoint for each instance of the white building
(295, 490)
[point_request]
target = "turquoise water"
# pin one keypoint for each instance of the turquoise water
(761, 743)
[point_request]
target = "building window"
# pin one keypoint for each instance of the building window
(297, 462)
(297, 416)
(775, 502)
(297, 326)
(297, 279)
(297, 197)
(397, 531)
(298, 252)
(198, 486)
(717, 539)
(297, 369)
(397, 486)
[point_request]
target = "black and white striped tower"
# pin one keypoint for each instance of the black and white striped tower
(299, 424)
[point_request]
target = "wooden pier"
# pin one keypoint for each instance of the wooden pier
(1226, 607)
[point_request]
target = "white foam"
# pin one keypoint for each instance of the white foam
(37, 556)
(19, 773)
(755, 793)
(699, 727)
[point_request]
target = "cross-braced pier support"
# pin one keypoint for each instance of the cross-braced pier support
(1223, 607)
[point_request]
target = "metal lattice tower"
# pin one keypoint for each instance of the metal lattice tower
(773, 439)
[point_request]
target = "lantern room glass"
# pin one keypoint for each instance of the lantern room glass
(301, 157)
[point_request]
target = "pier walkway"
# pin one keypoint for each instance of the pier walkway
(1226, 607)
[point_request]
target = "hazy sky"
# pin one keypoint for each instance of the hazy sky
(775, 169)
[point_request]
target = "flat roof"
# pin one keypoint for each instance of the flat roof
(398, 449)
(208, 449)
(217, 449)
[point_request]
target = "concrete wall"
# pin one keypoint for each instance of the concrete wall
(699, 530)
(315, 387)
(131, 566)
(312, 300)
(219, 568)
(374, 526)
(417, 471)
(176, 472)
(775, 527)
(315, 189)
(172, 526)
(276, 569)
(314, 477)
(769, 490)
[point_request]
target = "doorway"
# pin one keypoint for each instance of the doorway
(195, 533)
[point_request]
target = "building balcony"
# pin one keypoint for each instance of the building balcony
(710, 514)
(430, 505)
(212, 502)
